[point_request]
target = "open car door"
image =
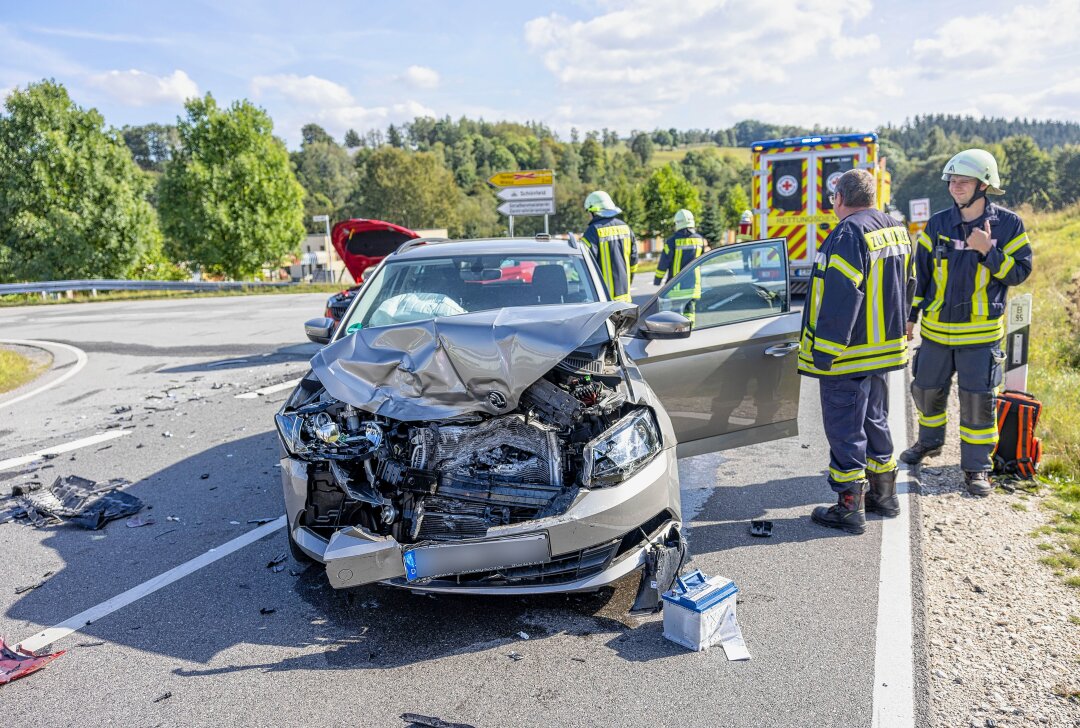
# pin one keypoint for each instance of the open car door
(733, 381)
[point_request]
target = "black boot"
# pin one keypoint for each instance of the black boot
(978, 483)
(919, 452)
(881, 497)
(848, 513)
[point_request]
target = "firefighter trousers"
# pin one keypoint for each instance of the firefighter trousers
(855, 413)
(978, 372)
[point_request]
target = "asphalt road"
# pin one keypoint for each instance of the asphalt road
(237, 641)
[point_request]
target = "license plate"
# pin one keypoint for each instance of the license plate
(464, 558)
(802, 272)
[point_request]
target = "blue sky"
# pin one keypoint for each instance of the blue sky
(624, 65)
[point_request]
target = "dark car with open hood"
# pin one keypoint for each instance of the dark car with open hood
(361, 244)
(466, 429)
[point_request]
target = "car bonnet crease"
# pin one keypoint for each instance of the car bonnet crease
(456, 365)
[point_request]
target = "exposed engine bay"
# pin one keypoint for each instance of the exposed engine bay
(454, 478)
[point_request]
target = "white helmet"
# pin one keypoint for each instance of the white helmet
(977, 163)
(600, 203)
(684, 219)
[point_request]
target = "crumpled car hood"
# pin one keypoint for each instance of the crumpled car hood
(455, 365)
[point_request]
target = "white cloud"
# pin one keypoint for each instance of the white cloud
(308, 90)
(297, 100)
(138, 88)
(851, 47)
(646, 55)
(421, 77)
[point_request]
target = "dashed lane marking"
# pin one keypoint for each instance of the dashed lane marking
(80, 362)
(894, 683)
(12, 463)
(74, 624)
(268, 390)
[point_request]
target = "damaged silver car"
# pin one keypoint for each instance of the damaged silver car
(484, 420)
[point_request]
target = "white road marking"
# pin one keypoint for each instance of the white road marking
(894, 683)
(268, 390)
(12, 463)
(69, 626)
(80, 362)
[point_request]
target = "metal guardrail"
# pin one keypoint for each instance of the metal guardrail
(7, 289)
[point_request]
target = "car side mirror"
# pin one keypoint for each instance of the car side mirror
(666, 325)
(320, 330)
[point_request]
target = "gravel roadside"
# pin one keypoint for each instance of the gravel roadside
(1002, 649)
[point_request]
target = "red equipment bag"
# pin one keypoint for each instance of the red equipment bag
(1018, 451)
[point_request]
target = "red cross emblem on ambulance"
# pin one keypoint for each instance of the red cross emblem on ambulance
(787, 185)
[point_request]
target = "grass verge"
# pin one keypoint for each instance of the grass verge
(1054, 377)
(16, 370)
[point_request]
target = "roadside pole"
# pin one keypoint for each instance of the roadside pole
(329, 243)
(1017, 342)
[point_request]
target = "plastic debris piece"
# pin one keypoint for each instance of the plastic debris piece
(173, 518)
(140, 521)
(24, 489)
(90, 644)
(17, 662)
(578, 659)
(277, 561)
(523, 635)
(261, 521)
(80, 501)
(166, 434)
(761, 529)
(204, 476)
(163, 696)
(267, 610)
(515, 656)
(234, 523)
(413, 719)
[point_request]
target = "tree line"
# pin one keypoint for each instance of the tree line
(219, 193)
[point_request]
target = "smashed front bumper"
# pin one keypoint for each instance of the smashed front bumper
(600, 538)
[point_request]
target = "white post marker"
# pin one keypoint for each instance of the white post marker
(894, 682)
(1017, 341)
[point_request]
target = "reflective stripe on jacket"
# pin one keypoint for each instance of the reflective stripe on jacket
(961, 293)
(614, 248)
(855, 314)
(680, 250)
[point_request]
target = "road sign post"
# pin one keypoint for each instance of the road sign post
(1017, 342)
(529, 192)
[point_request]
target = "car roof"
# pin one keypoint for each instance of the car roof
(485, 246)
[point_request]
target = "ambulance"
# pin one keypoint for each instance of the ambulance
(792, 181)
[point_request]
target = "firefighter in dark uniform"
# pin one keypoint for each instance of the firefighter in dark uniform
(680, 250)
(852, 336)
(612, 245)
(965, 261)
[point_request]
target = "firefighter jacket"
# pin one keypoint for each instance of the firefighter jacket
(856, 310)
(680, 250)
(614, 248)
(960, 292)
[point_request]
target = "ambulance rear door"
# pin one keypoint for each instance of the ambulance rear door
(784, 187)
(830, 161)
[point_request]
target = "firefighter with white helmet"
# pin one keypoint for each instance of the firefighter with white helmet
(966, 259)
(679, 251)
(612, 244)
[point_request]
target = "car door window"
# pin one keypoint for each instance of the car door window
(727, 286)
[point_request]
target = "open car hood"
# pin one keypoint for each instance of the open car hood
(363, 243)
(455, 365)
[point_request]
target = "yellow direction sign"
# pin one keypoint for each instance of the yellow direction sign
(524, 178)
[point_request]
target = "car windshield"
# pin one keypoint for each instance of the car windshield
(423, 288)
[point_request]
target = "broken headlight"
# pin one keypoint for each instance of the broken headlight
(621, 450)
(289, 429)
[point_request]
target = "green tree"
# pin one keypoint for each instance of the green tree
(328, 175)
(229, 200)
(312, 133)
(352, 139)
(711, 224)
(642, 146)
(151, 145)
(72, 201)
(733, 204)
(593, 161)
(1067, 168)
(666, 192)
(1030, 174)
(413, 189)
